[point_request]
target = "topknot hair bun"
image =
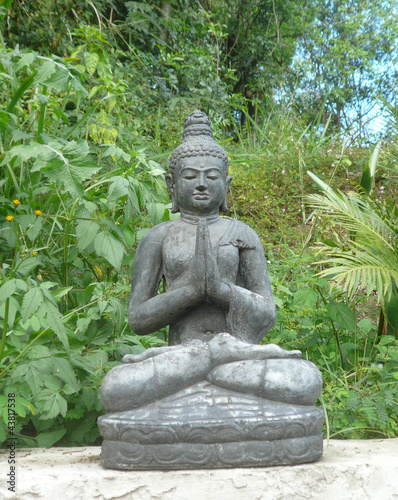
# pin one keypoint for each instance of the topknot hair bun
(197, 123)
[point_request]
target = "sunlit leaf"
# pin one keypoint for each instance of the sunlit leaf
(86, 231)
(31, 302)
(91, 60)
(305, 297)
(110, 248)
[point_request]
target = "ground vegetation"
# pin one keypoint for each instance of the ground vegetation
(93, 98)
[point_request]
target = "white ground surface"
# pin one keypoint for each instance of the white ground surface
(348, 470)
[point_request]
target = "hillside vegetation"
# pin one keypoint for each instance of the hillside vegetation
(92, 103)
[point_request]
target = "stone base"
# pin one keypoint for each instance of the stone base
(209, 427)
(117, 455)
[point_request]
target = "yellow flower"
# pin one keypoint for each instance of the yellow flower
(34, 253)
(98, 272)
(37, 212)
(16, 202)
(10, 218)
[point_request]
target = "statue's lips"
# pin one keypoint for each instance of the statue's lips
(201, 196)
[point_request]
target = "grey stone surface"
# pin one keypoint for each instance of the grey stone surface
(218, 304)
(348, 470)
(207, 426)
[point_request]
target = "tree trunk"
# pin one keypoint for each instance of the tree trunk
(165, 9)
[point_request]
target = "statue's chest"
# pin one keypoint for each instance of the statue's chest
(179, 251)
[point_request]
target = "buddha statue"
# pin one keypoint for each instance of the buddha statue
(213, 397)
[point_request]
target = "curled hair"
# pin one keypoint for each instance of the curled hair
(197, 141)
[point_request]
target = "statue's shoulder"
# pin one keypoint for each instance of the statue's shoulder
(240, 235)
(157, 233)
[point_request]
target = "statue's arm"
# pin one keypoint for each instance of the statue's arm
(148, 311)
(252, 311)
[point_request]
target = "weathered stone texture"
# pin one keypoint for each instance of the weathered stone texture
(349, 470)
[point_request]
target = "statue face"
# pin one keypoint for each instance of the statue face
(200, 184)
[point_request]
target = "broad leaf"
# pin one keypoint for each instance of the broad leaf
(91, 61)
(70, 167)
(133, 204)
(8, 233)
(31, 303)
(156, 212)
(25, 60)
(64, 370)
(86, 231)
(13, 308)
(47, 439)
(67, 165)
(305, 297)
(61, 292)
(54, 406)
(35, 380)
(59, 80)
(342, 314)
(113, 150)
(118, 188)
(22, 406)
(26, 152)
(46, 69)
(110, 248)
(7, 289)
(56, 323)
(31, 225)
(88, 397)
(129, 237)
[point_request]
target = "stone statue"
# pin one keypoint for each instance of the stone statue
(213, 397)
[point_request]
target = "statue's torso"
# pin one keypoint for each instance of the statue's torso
(205, 320)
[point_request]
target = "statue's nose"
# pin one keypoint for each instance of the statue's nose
(202, 184)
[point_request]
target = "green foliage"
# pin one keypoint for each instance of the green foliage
(46, 26)
(92, 102)
(260, 42)
(363, 403)
(366, 254)
(71, 213)
(346, 58)
(268, 166)
(359, 369)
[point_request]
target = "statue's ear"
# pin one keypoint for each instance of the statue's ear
(224, 206)
(170, 185)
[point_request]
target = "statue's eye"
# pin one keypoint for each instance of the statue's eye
(212, 177)
(189, 177)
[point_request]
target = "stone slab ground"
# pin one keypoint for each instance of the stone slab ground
(348, 470)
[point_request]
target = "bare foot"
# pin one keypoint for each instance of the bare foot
(149, 353)
(272, 351)
(225, 349)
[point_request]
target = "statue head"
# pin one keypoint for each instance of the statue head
(198, 156)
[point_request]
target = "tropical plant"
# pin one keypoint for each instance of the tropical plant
(363, 253)
(71, 212)
(359, 368)
(91, 104)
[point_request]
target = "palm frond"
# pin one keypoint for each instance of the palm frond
(358, 215)
(368, 256)
(361, 265)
